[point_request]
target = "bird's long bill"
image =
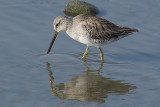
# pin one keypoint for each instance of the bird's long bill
(53, 39)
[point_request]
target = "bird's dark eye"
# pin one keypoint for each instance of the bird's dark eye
(57, 23)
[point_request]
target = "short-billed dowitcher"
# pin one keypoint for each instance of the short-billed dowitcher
(89, 30)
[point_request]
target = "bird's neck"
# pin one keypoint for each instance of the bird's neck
(69, 23)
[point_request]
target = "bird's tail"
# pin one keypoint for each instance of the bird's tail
(127, 30)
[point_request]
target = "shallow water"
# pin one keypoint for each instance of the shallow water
(129, 76)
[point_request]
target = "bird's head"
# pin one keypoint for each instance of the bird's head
(59, 24)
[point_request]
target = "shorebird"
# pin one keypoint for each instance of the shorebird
(89, 30)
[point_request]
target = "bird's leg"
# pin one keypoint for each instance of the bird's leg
(101, 54)
(85, 53)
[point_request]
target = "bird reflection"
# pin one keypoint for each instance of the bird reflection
(90, 86)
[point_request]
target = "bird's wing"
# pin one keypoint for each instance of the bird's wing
(99, 28)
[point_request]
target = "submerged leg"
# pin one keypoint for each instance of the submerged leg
(85, 53)
(101, 54)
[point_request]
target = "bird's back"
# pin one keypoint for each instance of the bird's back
(100, 28)
(97, 31)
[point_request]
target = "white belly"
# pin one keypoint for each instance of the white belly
(84, 40)
(79, 37)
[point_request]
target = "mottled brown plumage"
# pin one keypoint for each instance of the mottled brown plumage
(99, 28)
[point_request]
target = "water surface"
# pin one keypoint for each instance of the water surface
(129, 76)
